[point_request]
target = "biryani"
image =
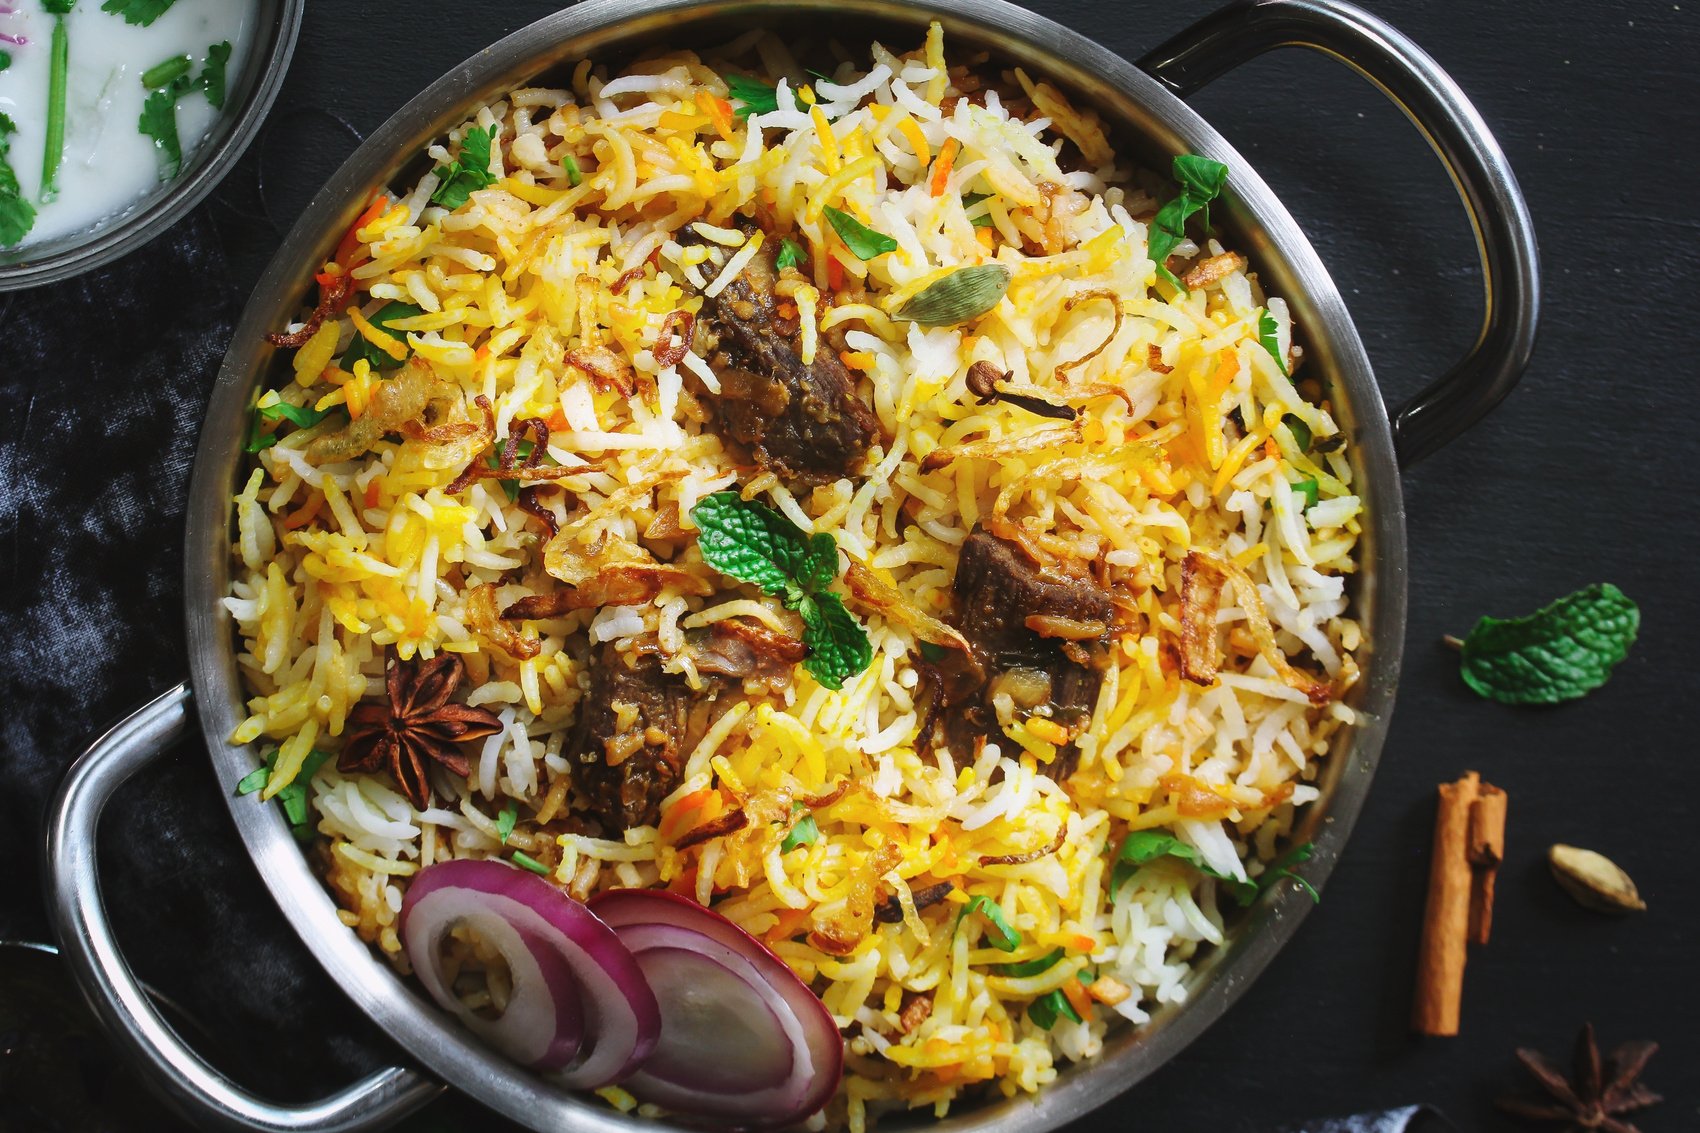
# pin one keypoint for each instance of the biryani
(854, 499)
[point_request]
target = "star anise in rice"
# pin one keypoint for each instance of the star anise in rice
(415, 725)
(1597, 1092)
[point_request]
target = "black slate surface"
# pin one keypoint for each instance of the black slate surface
(1587, 473)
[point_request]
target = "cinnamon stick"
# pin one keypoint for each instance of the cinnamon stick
(1486, 851)
(1446, 919)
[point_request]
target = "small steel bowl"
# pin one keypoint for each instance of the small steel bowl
(279, 22)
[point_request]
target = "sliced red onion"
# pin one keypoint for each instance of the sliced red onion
(622, 1019)
(777, 1056)
(543, 1023)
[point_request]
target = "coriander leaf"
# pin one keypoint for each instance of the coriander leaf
(254, 780)
(140, 12)
(575, 175)
(969, 200)
(301, 416)
(1280, 868)
(360, 347)
(1560, 652)
(1201, 179)
(1268, 337)
(864, 243)
(211, 80)
(804, 833)
(755, 96)
(1142, 847)
(752, 542)
(506, 821)
(166, 72)
(470, 171)
(5, 60)
(159, 122)
(1308, 489)
(791, 254)
(838, 645)
(1051, 1006)
(526, 861)
(999, 932)
(17, 215)
(1031, 967)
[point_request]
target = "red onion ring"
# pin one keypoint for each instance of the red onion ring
(622, 1016)
(753, 990)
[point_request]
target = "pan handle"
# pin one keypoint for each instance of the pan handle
(86, 940)
(1409, 76)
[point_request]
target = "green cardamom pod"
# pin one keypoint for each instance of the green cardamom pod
(964, 294)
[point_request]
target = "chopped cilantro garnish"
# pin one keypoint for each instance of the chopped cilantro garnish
(755, 543)
(804, 833)
(1050, 1007)
(470, 171)
(211, 80)
(1141, 847)
(999, 933)
(506, 821)
(292, 797)
(1300, 430)
(863, 242)
(361, 348)
(752, 95)
(139, 12)
(5, 60)
(301, 416)
(791, 254)
(1031, 967)
(1308, 489)
(1268, 337)
(166, 72)
(969, 200)
(575, 176)
(17, 215)
(159, 122)
(526, 861)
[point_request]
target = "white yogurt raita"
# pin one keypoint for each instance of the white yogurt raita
(108, 165)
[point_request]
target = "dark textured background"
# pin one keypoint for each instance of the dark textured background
(1587, 473)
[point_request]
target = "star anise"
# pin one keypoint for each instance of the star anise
(1595, 1093)
(415, 724)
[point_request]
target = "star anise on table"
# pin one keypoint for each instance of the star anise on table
(414, 725)
(1595, 1093)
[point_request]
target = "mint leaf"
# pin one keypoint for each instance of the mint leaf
(838, 645)
(753, 95)
(1268, 337)
(506, 821)
(360, 348)
(805, 833)
(864, 243)
(470, 171)
(791, 254)
(1560, 652)
(755, 543)
(752, 542)
(17, 215)
(1201, 181)
(211, 80)
(139, 12)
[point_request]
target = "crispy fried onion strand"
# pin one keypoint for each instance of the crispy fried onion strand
(397, 405)
(731, 821)
(995, 448)
(1030, 855)
(840, 925)
(880, 597)
(484, 619)
(1075, 300)
(331, 295)
(1203, 577)
(668, 351)
(607, 370)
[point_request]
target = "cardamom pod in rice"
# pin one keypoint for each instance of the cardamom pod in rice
(1594, 880)
(964, 294)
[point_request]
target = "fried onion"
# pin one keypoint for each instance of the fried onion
(1202, 579)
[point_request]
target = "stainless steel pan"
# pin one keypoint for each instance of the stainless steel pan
(1144, 101)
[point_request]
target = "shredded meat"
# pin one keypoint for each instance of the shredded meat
(627, 748)
(805, 422)
(746, 650)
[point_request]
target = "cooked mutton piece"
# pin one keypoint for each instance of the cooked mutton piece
(1029, 629)
(627, 750)
(804, 421)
